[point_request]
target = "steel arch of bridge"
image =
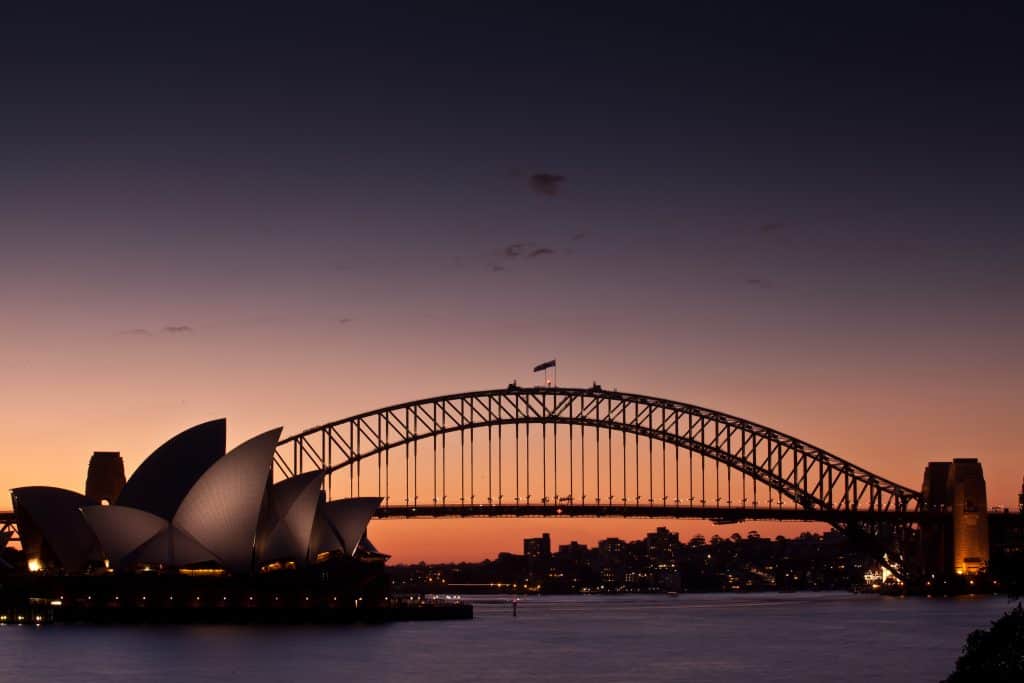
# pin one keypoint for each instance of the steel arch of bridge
(809, 482)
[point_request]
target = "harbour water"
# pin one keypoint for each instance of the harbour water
(749, 637)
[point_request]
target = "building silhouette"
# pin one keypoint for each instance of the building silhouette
(961, 544)
(537, 548)
(936, 537)
(190, 504)
(105, 478)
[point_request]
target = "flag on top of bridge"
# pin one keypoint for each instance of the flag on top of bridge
(544, 366)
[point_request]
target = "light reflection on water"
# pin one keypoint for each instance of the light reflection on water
(761, 636)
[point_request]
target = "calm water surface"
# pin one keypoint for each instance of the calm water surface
(756, 637)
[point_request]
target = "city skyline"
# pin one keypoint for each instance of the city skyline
(658, 561)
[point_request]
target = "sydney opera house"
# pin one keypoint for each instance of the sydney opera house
(191, 507)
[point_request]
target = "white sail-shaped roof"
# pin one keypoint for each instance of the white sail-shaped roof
(172, 547)
(323, 539)
(193, 504)
(130, 536)
(366, 545)
(122, 529)
(163, 479)
(222, 510)
(287, 522)
(51, 515)
(347, 520)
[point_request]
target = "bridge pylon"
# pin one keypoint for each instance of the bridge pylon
(956, 541)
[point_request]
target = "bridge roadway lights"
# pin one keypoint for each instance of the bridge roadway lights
(716, 514)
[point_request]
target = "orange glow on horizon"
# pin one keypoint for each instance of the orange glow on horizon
(57, 426)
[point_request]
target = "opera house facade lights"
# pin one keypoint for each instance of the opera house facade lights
(194, 508)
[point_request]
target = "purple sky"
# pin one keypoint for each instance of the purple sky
(812, 221)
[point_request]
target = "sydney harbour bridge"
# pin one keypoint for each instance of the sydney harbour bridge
(570, 452)
(549, 451)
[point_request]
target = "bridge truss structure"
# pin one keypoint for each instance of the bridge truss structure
(555, 451)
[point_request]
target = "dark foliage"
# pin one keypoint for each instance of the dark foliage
(994, 655)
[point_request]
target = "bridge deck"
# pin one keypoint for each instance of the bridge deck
(722, 515)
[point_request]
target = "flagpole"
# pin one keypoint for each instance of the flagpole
(550, 373)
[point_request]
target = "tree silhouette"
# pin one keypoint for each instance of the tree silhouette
(995, 655)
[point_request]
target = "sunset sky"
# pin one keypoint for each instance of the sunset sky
(286, 216)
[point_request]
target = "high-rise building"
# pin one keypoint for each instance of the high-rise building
(537, 547)
(105, 478)
(612, 547)
(573, 553)
(662, 547)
